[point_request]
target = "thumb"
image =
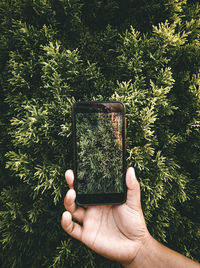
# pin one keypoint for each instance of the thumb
(133, 189)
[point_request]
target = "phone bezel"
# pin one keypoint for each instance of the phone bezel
(99, 198)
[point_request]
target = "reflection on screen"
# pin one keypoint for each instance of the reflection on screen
(99, 152)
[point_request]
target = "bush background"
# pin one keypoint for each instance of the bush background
(53, 53)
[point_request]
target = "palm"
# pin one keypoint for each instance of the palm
(114, 231)
(106, 229)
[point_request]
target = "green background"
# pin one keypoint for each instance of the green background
(52, 53)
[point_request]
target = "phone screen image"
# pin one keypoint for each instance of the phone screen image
(99, 153)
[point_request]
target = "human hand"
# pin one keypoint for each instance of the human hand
(115, 231)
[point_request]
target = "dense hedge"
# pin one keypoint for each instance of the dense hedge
(55, 52)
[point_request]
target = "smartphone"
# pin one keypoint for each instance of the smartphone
(99, 152)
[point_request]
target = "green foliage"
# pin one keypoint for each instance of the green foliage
(53, 53)
(98, 171)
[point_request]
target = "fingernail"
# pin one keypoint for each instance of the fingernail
(133, 170)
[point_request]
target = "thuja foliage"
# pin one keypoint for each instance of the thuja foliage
(53, 53)
(97, 142)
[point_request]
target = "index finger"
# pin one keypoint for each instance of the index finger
(69, 176)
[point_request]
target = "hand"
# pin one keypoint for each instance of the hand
(115, 231)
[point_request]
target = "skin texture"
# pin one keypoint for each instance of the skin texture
(119, 232)
(105, 228)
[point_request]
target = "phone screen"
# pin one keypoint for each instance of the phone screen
(99, 149)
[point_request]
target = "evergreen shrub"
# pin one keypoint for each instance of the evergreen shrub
(53, 53)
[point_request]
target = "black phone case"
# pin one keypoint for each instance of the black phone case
(96, 199)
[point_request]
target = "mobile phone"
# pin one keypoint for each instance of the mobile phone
(99, 152)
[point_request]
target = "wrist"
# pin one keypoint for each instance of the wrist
(143, 256)
(153, 254)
